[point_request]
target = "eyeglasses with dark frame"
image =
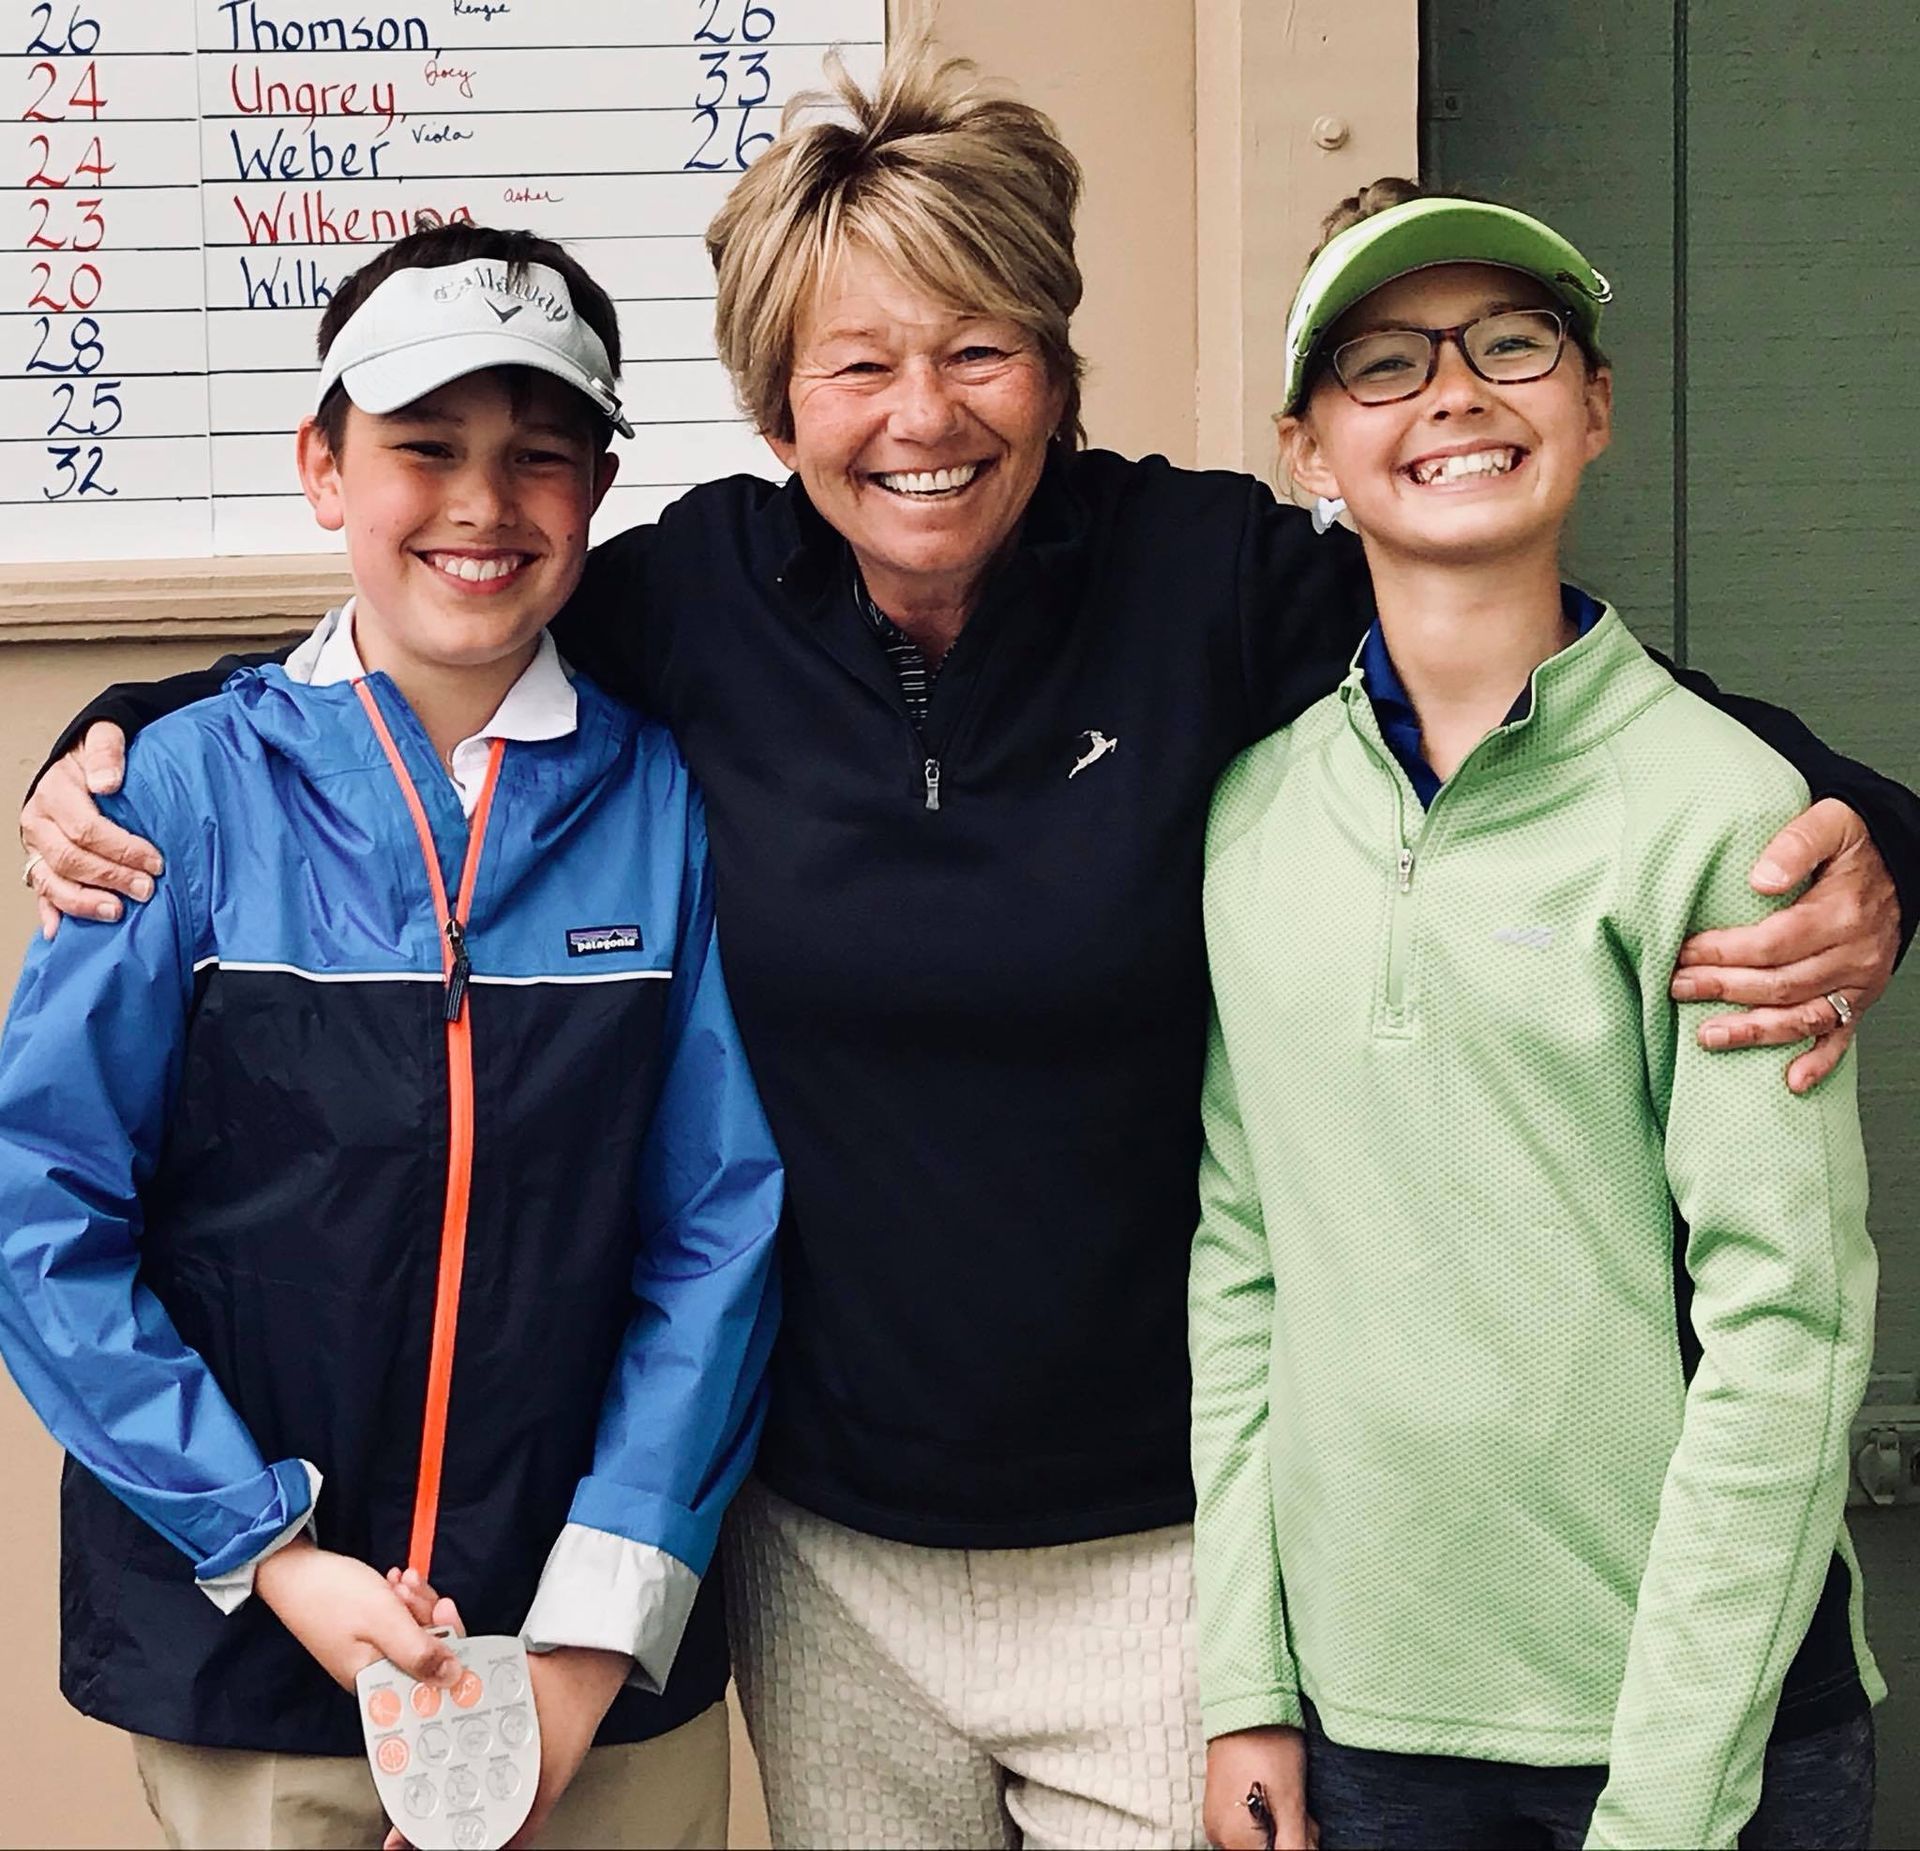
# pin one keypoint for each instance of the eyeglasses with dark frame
(1508, 347)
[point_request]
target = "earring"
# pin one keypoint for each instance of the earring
(1326, 513)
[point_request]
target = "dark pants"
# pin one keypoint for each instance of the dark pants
(1817, 1795)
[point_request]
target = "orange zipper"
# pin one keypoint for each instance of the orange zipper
(453, 1223)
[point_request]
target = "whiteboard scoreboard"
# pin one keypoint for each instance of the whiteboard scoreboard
(186, 181)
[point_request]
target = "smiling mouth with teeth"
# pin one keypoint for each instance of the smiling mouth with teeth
(472, 571)
(1466, 466)
(928, 484)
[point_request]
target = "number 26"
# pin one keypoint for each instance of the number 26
(752, 15)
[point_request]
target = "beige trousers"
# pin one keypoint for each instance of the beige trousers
(671, 1791)
(901, 1697)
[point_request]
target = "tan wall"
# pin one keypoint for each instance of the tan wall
(1179, 233)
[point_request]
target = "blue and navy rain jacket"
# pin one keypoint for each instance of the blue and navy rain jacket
(226, 1152)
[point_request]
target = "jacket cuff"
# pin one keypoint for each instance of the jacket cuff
(615, 1595)
(1264, 1709)
(233, 1588)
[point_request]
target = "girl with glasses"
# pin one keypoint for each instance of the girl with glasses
(1526, 1335)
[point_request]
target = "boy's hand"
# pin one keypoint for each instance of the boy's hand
(1277, 1759)
(346, 1615)
(84, 860)
(573, 1685)
(572, 1689)
(427, 1607)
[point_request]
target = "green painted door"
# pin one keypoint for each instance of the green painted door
(1746, 177)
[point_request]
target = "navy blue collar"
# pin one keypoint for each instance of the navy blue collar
(1400, 725)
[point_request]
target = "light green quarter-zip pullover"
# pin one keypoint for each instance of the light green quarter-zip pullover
(1453, 1481)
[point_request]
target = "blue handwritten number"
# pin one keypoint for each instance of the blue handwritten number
(77, 25)
(711, 113)
(746, 146)
(716, 63)
(84, 340)
(66, 457)
(756, 62)
(703, 34)
(106, 397)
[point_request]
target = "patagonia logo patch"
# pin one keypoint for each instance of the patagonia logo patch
(591, 941)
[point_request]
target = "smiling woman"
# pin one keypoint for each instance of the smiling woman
(910, 358)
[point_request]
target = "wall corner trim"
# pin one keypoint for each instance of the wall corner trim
(1264, 76)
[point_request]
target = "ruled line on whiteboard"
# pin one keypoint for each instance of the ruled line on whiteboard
(503, 51)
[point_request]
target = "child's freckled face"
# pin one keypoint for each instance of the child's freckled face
(1525, 443)
(465, 514)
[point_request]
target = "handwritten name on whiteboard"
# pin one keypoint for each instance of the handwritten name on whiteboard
(196, 178)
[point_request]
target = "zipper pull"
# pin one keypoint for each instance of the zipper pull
(1406, 870)
(457, 977)
(933, 783)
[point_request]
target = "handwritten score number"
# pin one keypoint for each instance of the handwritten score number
(82, 34)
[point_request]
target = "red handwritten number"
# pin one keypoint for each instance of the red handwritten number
(89, 215)
(96, 162)
(83, 289)
(93, 162)
(40, 176)
(86, 93)
(37, 239)
(53, 77)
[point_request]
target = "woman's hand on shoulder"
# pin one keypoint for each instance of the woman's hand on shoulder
(1839, 939)
(79, 863)
(1274, 1760)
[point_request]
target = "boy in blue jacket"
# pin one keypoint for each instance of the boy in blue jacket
(395, 1182)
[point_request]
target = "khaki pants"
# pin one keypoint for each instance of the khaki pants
(671, 1791)
(902, 1697)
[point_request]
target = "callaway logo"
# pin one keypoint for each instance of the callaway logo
(499, 284)
(1098, 746)
(506, 315)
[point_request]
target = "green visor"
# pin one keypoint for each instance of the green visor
(1418, 235)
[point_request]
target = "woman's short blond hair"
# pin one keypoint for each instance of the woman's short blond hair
(966, 194)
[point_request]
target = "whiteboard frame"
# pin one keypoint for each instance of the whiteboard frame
(246, 597)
